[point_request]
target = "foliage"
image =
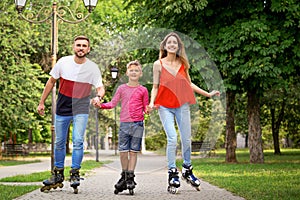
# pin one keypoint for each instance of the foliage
(254, 44)
(156, 141)
(20, 80)
(246, 40)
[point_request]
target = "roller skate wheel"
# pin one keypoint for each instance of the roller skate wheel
(131, 192)
(45, 189)
(172, 190)
(75, 190)
(116, 191)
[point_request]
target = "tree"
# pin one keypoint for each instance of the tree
(245, 39)
(20, 80)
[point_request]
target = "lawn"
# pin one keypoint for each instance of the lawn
(11, 192)
(277, 178)
(4, 163)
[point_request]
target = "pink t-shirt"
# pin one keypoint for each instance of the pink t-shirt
(133, 102)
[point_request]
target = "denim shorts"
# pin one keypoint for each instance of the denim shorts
(130, 136)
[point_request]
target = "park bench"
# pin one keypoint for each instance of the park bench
(14, 150)
(37, 148)
(203, 147)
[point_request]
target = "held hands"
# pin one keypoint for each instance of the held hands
(150, 108)
(214, 93)
(96, 101)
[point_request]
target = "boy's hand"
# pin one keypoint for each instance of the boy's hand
(150, 108)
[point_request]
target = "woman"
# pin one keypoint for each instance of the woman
(172, 93)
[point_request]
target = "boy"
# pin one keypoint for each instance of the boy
(134, 99)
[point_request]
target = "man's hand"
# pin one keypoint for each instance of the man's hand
(96, 101)
(41, 109)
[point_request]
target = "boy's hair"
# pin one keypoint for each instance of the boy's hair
(82, 37)
(135, 62)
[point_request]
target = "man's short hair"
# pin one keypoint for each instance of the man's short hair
(82, 37)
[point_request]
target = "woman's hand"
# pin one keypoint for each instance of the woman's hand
(214, 93)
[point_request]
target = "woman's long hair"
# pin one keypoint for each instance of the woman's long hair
(179, 54)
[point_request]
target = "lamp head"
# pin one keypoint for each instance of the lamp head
(114, 72)
(90, 4)
(20, 4)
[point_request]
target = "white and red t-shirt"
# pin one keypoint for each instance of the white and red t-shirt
(75, 84)
(133, 102)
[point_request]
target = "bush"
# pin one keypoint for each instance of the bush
(156, 141)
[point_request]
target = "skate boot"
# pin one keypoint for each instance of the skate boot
(130, 182)
(174, 182)
(56, 180)
(121, 184)
(187, 174)
(74, 179)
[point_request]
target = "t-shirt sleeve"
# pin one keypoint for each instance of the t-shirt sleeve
(97, 79)
(145, 99)
(55, 71)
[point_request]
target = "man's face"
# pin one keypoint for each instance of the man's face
(81, 48)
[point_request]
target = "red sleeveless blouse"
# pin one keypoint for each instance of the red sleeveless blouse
(174, 91)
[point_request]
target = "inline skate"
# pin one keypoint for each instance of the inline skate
(130, 182)
(56, 180)
(74, 179)
(187, 174)
(174, 182)
(121, 184)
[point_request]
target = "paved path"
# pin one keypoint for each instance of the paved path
(151, 178)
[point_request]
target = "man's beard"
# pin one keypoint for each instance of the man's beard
(80, 55)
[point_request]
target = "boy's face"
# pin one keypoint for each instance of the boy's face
(134, 72)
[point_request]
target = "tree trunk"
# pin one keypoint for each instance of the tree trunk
(30, 136)
(254, 128)
(230, 140)
(276, 127)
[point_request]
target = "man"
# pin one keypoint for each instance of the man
(77, 74)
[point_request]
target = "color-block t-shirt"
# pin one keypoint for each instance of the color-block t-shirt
(75, 83)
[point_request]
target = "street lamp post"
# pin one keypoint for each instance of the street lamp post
(114, 74)
(97, 135)
(20, 5)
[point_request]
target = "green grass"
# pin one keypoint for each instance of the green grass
(10, 192)
(86, 166)
(277, 178)
(16, 162)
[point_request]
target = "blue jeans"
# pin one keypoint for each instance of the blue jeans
(182, 117)
(62, 124)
